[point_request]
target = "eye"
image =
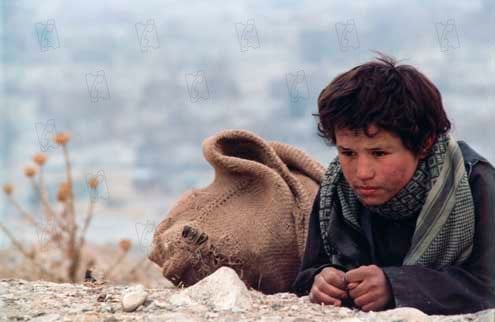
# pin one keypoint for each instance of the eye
(379, 153)
(347, 153)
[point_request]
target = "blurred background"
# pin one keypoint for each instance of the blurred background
(140, 84)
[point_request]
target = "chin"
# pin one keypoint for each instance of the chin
(371, 201)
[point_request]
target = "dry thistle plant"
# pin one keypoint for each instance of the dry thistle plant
(62, 233)
(59, 227)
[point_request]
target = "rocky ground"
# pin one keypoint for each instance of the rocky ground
(219, 297)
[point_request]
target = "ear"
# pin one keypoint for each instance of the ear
(427, 146)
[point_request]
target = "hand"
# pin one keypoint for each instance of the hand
(329, 287)
(369, 288)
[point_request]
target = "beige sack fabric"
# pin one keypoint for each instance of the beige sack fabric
(253, 217)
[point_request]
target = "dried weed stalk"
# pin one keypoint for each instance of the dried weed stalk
(59, 227)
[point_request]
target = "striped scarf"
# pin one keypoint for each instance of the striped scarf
(439, 191)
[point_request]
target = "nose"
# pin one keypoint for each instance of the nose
(365, 169)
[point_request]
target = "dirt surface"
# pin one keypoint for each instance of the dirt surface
(22, 300)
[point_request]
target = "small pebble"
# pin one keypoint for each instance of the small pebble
(161, 304)
(101, 298)
(133, 298)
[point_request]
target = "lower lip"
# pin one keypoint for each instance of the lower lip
(367, 191)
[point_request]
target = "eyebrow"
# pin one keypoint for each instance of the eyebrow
(386, 147)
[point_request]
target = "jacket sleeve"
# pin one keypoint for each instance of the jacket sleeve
(464, 288)
(315, 257)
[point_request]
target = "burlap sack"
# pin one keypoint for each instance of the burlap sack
(253, 217)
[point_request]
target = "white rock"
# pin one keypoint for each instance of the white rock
(166, 283)
(133, 298)
(223, 290)
(160, 304)
(406, 314)
(180, 299)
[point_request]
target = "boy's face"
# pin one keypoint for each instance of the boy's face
(380, 163)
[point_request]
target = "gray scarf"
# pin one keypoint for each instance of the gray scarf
(439, 191)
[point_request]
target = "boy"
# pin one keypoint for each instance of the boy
(405, 214)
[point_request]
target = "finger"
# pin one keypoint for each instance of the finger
(352, 285)
(360, 289)
(357, 274)
(365, 299)
(330, 289)
(320, 297)
(334, 277)
(370, 307)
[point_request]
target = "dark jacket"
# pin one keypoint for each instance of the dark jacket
(452, 289)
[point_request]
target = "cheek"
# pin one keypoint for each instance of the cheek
(397, 174)
(347, 169)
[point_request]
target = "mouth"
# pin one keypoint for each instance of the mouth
(367, 190)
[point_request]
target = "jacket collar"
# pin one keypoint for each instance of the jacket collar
(471, 157)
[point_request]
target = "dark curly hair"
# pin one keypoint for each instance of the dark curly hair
(396, 98)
